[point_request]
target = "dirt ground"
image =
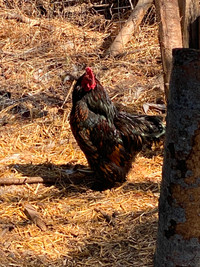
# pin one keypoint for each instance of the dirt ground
(80, 227)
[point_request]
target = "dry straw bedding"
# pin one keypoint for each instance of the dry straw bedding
(84, 228)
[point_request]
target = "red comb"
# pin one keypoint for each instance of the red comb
(90, 73)
(89, 70)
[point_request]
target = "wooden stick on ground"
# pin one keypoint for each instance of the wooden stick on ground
(25, 180)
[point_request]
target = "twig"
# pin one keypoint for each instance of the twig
(107, 217)
(131, 4)
(69, 92)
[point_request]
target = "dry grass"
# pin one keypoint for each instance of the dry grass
(84, 228)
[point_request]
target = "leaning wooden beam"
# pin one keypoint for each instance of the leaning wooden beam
(129, 28)
(169, 34)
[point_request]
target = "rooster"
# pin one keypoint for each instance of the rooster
(109, 138)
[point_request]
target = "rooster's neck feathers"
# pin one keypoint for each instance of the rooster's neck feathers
(96, 98)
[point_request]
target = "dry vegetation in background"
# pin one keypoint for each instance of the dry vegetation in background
(83, 228)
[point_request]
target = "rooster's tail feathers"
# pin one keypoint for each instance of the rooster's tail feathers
(148, 127)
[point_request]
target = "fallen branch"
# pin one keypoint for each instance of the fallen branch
(26, 180)
(129, 28)
(69, 176)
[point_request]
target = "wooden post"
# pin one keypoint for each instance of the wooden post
(190, 22)
(169, 34)
(178, 240)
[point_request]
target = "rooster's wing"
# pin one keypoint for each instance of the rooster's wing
(100, 141)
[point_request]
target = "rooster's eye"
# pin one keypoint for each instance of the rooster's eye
(78, 88)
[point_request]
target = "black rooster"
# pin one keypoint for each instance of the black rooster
(109, 138)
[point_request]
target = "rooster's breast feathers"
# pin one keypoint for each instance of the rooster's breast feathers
(95, 133)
